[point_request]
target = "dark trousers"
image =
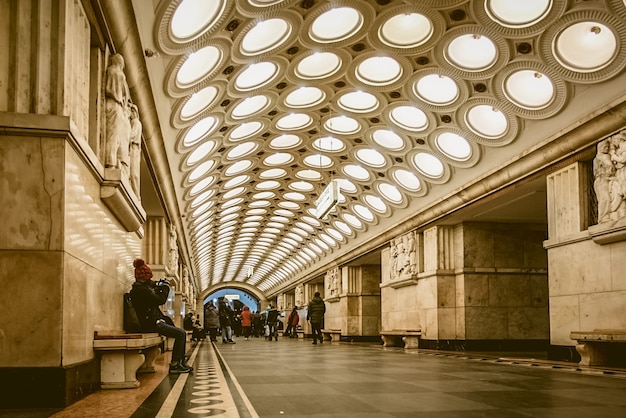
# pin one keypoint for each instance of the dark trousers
(213, 332)
(179, 335)
(316, 328)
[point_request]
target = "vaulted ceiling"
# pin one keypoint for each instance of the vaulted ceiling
(262, 104)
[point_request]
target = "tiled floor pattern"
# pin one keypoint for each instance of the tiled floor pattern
(293, 378)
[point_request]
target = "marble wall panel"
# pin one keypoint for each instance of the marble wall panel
(527, 323)
(486, 323)
(476, 290)
(564, 318)
(618, 265)
(446, 291)
(32, 180)
(447, 323)
(371, 279)
(30, 336)
(582, 267)
(430, 323)
(604, 310)
(427, 292)
(509, 248)
(478, 247)
(460, 323)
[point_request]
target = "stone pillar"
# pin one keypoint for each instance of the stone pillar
(586, 263)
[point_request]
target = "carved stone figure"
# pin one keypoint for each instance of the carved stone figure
(617, 151)
(403, 256)
(298, 295)
(117, 97)
(173, 249)
(136, 129)
(333, 279)
(603, 172)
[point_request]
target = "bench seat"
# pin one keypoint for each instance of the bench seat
(333, 335)
(593, 346)
(124, 355)
(407, 338)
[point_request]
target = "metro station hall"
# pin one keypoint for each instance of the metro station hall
(312, 208)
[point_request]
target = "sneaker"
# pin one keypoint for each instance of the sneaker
(231, 342)
(177, 368)
(314, 342)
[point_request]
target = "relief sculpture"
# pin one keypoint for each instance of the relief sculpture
(609, 171)
(403, 256)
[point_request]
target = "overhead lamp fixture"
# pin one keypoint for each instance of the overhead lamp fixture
(330, 195)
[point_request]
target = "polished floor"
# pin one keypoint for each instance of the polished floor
(293, 378)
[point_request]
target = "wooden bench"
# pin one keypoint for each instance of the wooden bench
(593, 346)
(124, 355)
(407, 338)
(333, 335)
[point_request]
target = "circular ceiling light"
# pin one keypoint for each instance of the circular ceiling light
(273, 173)
(409, 117)
(245, 130)
(236, 181)
(318, 65)
(353, 220)
(311, 175)
(201, 185)
(305, 97)
(201, 198)
(407, 180)
(295, 196)
(234, 192)
(343, 227)
(406, 30)
(436, 89)
(289, 205)
(529, 89)
(472, 52)
(356, 172)
(264, 36)
(375, 203)
(193, 17)
(378, 71)
(198, 102)
(241, 150)
(318, 161)
(428, 164)
(328, 144)
(294, 121)
(454, 146)
(364, 212)
(336, 24)
(358, 102)
(256, 76)
(238, 167)
(346, 185)
(200, 152)
(487, 121)
(301, 186)
(199, 131)
(268, 185)
(585, 47)
(198, 65)
(263, 196)
(249, 106)
(285, 141)
(390, 192)
(343, 125)
(259, 204)
(201, 170)
(278, 159)
(388, 139)
(370, 157)
(517, 14)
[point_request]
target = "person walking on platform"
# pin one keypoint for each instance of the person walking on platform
(315, 315)
(292, 323)
(147, 296)
(211, 320)
(271, 319)
(246, 322)
(226, 321)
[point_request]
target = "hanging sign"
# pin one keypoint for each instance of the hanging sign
(328, 200)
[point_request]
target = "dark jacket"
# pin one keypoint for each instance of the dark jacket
(316, 310)
(211, 317)
(226, 315)
(188, 323)
(146, 297)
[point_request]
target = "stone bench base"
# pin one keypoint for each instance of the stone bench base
(409, 339)
(125, 355)
(332, 335)
(593, 346)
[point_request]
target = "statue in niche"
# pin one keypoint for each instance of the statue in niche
(135, 148)
(173, 249)
(298, 296)
(117, 97)
(411, 252)
(333, 280)
(393, 258)
(617, 151)
(280, 302)
(609, 171)
(603, 172)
